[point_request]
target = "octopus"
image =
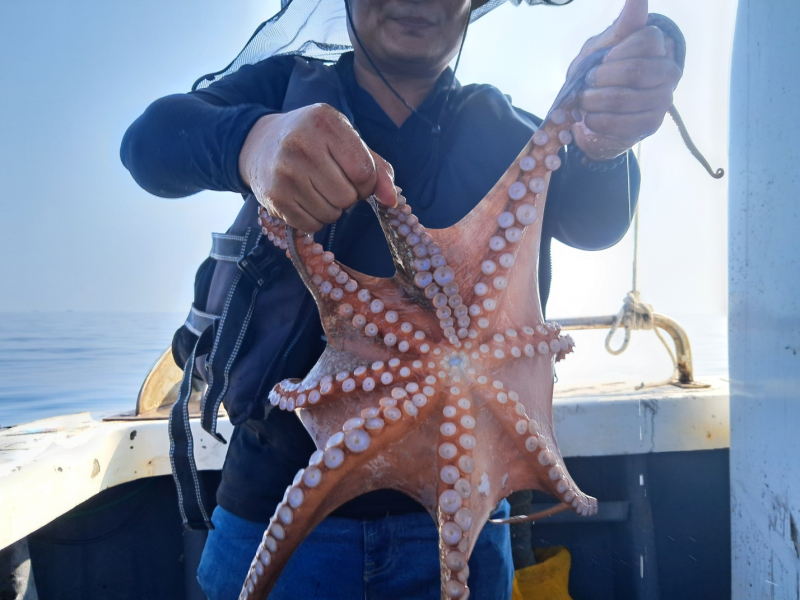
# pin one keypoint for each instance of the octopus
(438, 381)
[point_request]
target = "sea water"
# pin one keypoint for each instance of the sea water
(60, 363)
(67, 362)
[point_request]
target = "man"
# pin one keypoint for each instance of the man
(392, 115)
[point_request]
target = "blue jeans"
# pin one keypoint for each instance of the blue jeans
(393, 558)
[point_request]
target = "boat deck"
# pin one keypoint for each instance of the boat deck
(50, 466)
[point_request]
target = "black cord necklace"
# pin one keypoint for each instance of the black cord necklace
(436, 128)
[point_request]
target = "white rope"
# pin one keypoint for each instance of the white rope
(634, 313)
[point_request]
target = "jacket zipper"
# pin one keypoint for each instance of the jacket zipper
(330, 238)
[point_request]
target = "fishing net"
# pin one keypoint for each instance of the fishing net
(317, 29)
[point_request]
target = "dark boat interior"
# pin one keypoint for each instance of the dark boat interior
(662, 532)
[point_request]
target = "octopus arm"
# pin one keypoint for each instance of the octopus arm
(353, 461)
(339, 375)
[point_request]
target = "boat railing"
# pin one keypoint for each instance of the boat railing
(634, 316)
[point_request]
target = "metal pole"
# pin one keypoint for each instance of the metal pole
(764, 288)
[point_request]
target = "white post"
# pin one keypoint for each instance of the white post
(764, 272)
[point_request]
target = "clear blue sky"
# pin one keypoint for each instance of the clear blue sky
(76, 233)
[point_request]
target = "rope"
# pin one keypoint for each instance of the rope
(634, 313)
(558, 508)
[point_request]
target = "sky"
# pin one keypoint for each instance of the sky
(76, 233)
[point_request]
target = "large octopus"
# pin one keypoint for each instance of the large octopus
(437, 382)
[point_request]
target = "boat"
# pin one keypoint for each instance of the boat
(90, 503)
(686, 507)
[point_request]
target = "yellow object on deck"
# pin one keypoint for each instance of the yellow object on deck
(548, 579)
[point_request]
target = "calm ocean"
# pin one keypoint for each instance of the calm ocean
(60, 363)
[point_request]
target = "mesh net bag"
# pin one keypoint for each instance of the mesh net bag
(317, 29)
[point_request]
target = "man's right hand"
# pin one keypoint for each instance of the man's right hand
(308, 165)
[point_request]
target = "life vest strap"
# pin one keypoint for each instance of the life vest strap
(217, 336)
(198, 321)
(227, 247)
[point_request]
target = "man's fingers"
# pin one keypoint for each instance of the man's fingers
(332, 183)
(364, 169)
(294, 215)
(336, 137)
(296, 200)
(626, 100)
(318, 206)
(360, 169)
(647, 42)
(641, 73)
(669, 45)
(323, 167)
(600, 147)
(355, 160)
(367, 172)
(314, 166)
(385, 191)
(635, 126)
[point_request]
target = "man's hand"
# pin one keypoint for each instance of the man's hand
(628, 95)
(308, 165)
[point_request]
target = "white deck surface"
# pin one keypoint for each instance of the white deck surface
(50, 466)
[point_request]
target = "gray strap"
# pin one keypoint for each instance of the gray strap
(198, 321)
(227, 247)
(231, 330)
(181, 447)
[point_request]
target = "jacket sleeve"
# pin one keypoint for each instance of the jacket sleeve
(591, 204)
(185, 143)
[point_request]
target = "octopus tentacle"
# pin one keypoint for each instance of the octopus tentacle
(515, 206)
(273, 228)
(412, 247)
(420, 261)
(357, 298)
(322, 487)
(528, 342)
(456, 522)
(294, 393)
(357, 306)
(530, 437)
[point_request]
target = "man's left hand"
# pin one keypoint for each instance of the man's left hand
(628, 94)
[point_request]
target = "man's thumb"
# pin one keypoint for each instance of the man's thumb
(632, 18)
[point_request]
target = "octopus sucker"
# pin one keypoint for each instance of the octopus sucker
(434, 377)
